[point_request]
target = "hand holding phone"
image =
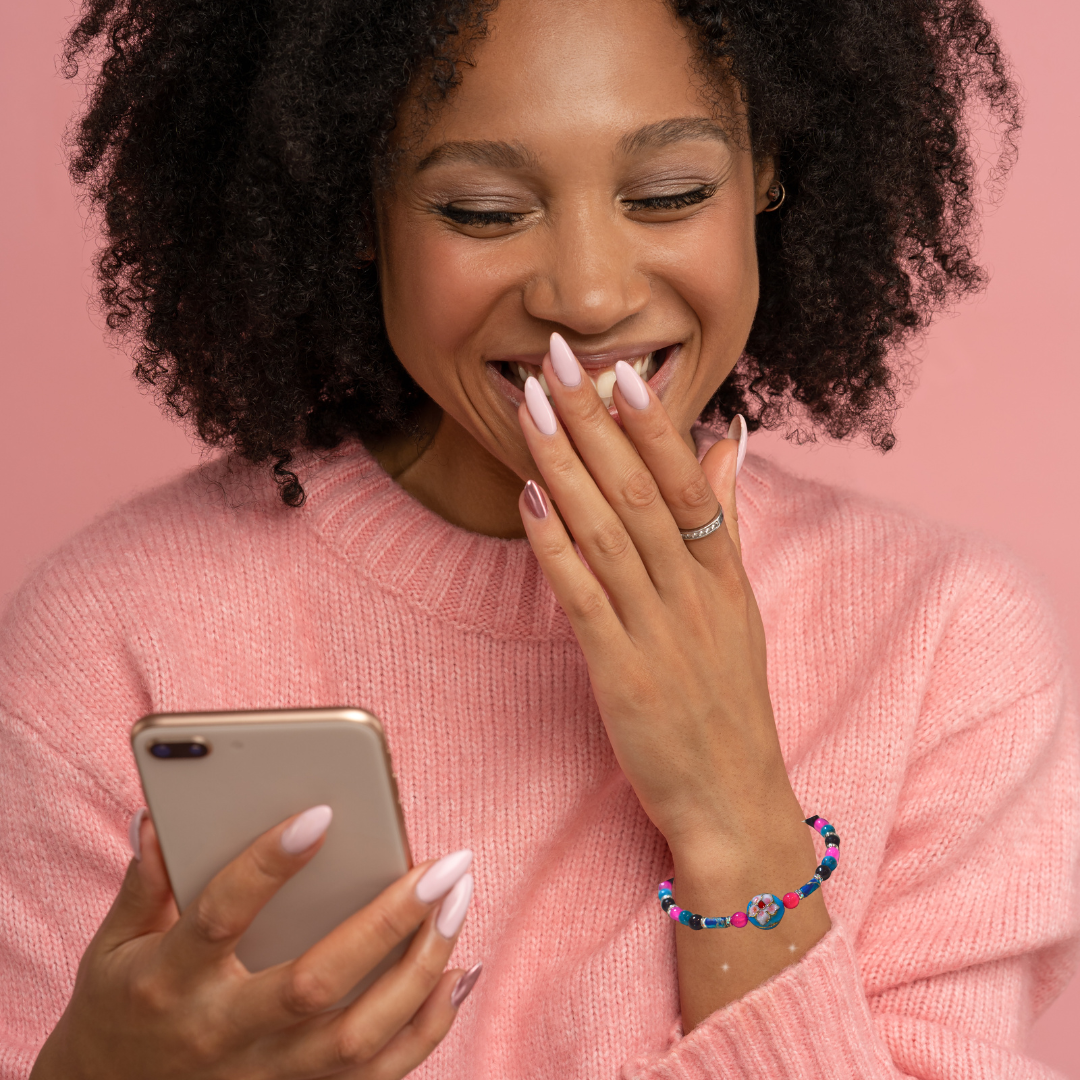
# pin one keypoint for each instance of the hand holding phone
(215, 781)
(162, 994)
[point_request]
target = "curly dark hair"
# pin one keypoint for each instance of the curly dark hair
(234, 148)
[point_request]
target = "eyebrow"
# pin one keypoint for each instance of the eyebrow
(504, 155)
(665, 132)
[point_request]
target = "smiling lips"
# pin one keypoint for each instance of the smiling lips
(603, 379)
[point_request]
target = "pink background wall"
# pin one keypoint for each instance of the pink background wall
(987, 441)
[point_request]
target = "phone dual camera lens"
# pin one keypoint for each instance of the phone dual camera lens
(179, 750)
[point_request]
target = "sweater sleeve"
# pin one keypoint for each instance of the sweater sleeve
(69, 692)
(972, 926)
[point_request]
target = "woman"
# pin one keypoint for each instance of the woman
(449, 268)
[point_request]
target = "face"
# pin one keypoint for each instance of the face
(582, 180)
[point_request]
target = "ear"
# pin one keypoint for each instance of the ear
(764, 177)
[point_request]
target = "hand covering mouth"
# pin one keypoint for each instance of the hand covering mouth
(646, 365)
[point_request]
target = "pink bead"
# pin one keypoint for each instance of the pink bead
(740, 918)
(673, 911)
(833, 851)
(791, 899)
(820, 823)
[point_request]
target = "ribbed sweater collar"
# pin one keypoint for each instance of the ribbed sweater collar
(475, 582)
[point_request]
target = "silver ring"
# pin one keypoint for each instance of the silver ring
(697, 534)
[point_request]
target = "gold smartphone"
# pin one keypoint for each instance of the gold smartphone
(215, 781)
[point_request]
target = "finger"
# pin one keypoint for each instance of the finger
(577, 590)
(324, 974)
(210, 925)
(596, 527)
(610, 457)
(720, 466)
(353, 1037)
(682, 483)
(646, 471)
(418, 1038)
(144, 904)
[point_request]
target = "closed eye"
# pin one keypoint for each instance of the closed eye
(481, 219)
(679, 201)
(478, 219)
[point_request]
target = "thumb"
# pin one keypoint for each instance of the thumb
(145, 903)
(721, 465)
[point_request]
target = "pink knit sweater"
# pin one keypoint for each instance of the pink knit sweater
(918, 688)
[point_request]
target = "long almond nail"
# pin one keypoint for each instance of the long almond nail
(454, 907)
(444, 874)
(306, 829)
(534, 500)
(465, 984)
(539, 407)
(632, 385)
(737, 430)
(134, 826)
(564, 361)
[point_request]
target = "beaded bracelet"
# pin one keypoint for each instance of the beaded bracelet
(766, 910)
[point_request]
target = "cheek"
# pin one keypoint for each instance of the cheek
(437, 296)
(717, 275)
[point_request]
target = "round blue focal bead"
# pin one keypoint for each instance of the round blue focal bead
(765, 911)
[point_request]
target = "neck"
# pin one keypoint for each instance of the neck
(451, 474)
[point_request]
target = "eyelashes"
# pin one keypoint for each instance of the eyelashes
(479, 219)
(679, 201)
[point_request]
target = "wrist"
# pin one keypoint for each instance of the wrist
(728, 822)
(721, 869)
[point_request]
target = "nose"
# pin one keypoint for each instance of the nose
(592, 278)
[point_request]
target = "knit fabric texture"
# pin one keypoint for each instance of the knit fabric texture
(920, 696)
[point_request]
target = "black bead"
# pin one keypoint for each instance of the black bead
(823, 872)
(695, 922)
(832, 840)
(667, 902)
(811, 820)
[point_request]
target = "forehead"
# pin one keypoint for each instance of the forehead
(574, 71)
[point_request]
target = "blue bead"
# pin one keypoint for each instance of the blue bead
(684, 917)
(762, 917)
(663, 893)
(829, 861)
(809, 887)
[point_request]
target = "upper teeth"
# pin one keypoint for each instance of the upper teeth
(604, 382)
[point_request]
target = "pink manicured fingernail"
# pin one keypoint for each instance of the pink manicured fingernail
(564, 361)
(454, 907)
(539, 407)
(737, 430)
(306, 829)
(534, 500)
(445, 873)
(134, 839)
(632, 385)
(465, 984)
